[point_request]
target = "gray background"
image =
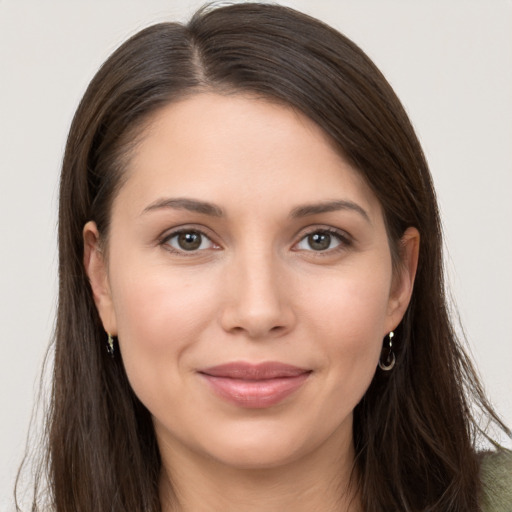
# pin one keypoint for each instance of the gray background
(450, 63)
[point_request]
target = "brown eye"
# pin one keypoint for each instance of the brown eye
(319, 241)
(188, 241)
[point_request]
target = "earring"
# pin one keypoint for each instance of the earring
(110, 345)
(389, 361)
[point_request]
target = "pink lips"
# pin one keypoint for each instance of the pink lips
(255, 385)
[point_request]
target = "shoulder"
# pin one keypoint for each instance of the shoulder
(496, 479)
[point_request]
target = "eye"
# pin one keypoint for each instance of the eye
(321, 240)
(188, 241)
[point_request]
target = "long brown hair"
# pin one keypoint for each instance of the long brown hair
(414, 430)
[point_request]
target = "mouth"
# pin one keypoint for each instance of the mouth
(255, 386)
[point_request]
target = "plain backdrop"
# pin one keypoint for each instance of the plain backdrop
(450, 63)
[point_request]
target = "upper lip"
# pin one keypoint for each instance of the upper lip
(250, 371)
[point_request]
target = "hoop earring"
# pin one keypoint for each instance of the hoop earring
(110, 345)
(389, 361)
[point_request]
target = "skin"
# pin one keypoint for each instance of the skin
(255, 290)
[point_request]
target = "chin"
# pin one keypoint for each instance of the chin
(245, 456)
(263, 446)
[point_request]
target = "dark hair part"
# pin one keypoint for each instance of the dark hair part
(414, 430)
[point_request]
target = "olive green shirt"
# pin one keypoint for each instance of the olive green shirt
(496, 478)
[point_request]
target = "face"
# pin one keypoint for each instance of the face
(249, 281)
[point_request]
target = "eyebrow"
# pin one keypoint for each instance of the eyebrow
(328, 206)
(205, 208)
(192, 205)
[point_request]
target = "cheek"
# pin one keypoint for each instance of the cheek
(160, 316)
(352, 304)
(162, 302)
(350, 323)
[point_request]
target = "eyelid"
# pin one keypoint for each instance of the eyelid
(167, 235)
(345, 239)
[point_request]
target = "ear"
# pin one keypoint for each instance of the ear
(403, 280)
(96, 269)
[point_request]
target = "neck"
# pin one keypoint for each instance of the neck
(318, 481)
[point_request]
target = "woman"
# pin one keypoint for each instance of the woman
(251, 311)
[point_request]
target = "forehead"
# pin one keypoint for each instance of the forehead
(238, 148)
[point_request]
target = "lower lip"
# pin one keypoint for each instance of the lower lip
(255, 394)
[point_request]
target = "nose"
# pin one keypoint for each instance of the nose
(257, 301)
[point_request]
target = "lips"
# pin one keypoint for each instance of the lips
(255, 386)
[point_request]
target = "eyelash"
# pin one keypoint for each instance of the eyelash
(343, 238)
(345, 241)
(164, 241)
